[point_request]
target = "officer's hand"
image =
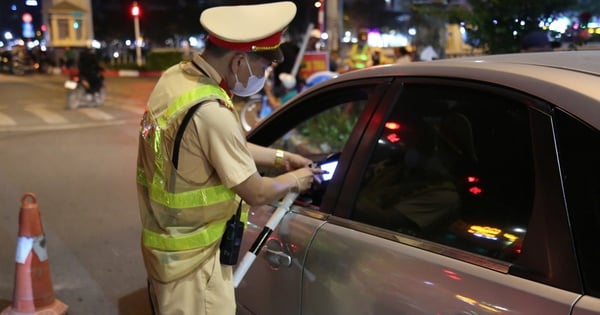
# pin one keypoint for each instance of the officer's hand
(304, 178)
(292, 161)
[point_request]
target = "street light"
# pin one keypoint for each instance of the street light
(135, 12)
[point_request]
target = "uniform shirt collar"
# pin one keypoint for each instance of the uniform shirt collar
(206, 69)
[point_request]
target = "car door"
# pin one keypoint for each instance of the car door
(317, 125)
(452, 205)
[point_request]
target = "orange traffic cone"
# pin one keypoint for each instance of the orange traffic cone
(33, 293)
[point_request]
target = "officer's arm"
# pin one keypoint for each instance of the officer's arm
(269, 157)
(258, 190)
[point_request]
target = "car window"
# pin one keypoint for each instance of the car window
(454, 166)
(321, 134)
(327, 131)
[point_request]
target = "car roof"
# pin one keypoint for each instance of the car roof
(582, 61)
(570, 79)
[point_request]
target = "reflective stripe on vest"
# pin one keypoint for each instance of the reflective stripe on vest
(192, 97)
(198, 239)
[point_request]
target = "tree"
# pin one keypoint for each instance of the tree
(500, 25)
(430, 21)
(366, 14)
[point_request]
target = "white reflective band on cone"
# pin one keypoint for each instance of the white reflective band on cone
(26, 244)
(39, 247)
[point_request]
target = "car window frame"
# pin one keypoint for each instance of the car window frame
(550, 239)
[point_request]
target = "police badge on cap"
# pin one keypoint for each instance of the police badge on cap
(252, 28)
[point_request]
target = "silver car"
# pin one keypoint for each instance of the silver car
(458, 186)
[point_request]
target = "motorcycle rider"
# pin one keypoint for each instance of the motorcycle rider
(90, 71)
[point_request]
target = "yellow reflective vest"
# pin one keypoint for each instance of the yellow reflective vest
(359, 58)
(182, 224)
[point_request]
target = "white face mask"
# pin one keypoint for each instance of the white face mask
(255, 84)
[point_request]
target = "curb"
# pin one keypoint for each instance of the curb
(113, 73)
(131, 73)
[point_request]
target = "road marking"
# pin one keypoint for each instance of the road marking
(6, 121)
(96, 114)
(19, 128)
(134, 109)
(50, 117)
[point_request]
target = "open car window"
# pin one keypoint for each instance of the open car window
(322, 133)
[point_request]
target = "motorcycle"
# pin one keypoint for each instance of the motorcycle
(80, 93)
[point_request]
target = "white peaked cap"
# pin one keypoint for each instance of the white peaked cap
(253, 28)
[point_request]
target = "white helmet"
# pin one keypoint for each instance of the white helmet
(288, 80)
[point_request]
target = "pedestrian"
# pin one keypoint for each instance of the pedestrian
(69, 58)
(192, 177)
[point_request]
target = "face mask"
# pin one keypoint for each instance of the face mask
(255, 84)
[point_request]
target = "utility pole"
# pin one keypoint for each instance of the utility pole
(135, 12)
(333, 22)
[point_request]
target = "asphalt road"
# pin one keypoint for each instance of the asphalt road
(81, 166)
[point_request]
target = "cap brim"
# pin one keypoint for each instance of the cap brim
(273, 55)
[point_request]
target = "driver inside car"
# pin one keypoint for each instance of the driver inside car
(409, 191)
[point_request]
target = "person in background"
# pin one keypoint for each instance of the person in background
(290, 51)
(90, 70)
(194, 165)
(376, 58)
(289, 83)
(403, 56)
(69, 60)
(314, 41)
(360, 54)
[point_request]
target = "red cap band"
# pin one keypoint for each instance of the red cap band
(269, 43)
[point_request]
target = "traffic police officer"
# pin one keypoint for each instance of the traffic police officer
(190, 181)
(360, 53)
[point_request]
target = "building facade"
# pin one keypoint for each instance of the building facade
(69, 23)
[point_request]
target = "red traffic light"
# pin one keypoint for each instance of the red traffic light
(135, 10)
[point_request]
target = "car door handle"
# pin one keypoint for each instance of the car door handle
(279, 258)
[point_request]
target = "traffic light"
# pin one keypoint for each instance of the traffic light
(135, 10)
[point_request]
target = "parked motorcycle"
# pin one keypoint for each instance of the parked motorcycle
(81, 94)
(13, 62)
